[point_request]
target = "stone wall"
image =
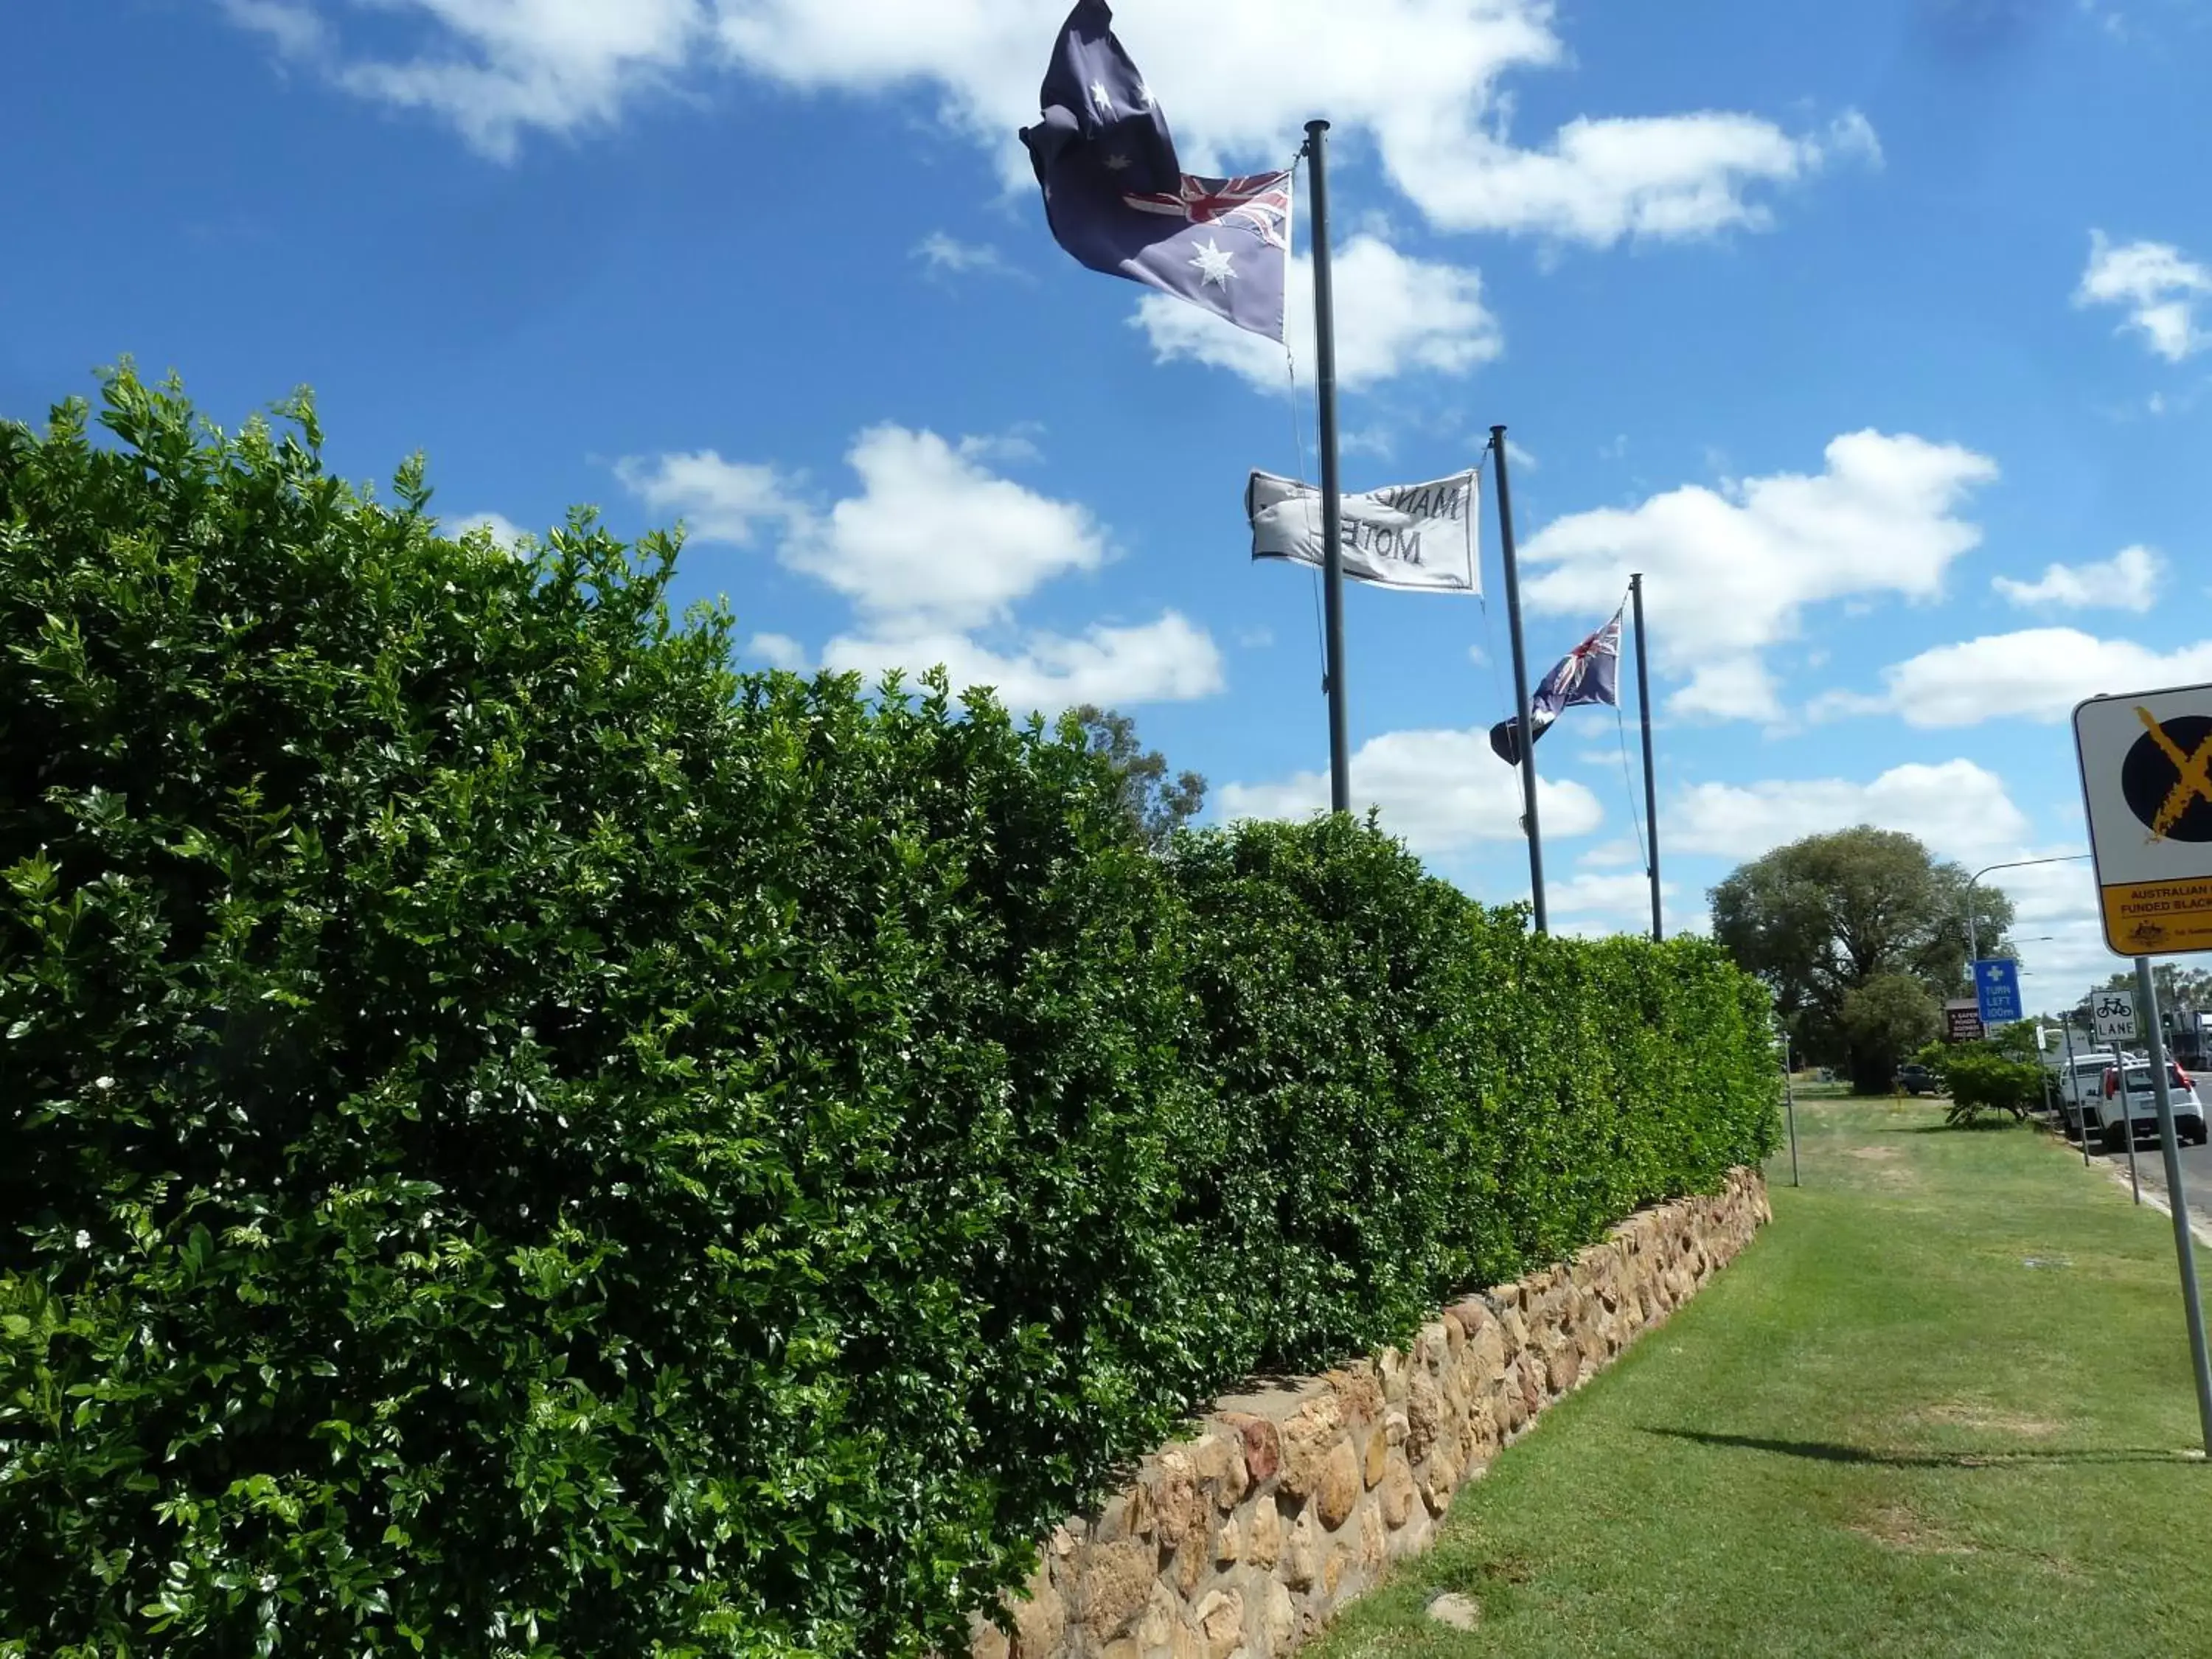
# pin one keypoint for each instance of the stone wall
(1243, 1540)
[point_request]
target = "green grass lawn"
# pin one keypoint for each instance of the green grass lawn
(1942, 1407)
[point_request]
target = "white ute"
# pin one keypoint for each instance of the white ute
(2080, 1080)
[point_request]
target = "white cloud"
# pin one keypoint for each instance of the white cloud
(1240, 76)
(779, 651)
(1442, 791)
(1168, 661)
(496, 69)
(1728, 689)
(933, 535)
(505, 532)
(1593, 904)
(1728, 572)
(1611, 854)
(720, 501)
(932, 547)
(948, 256)
(931, 538)
(1598, 181)
(2038, 674)
(1393, 314)
(1008, 448)
(2156, 285)
(1958, 808)
(2127, 581)
(295, 30)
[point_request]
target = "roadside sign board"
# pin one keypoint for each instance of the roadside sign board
(2147, 784)
(1997, 990)
(2113, 1013)
(1962, 1021)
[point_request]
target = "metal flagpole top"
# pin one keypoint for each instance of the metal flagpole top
(1523, 715)
(1332, 503)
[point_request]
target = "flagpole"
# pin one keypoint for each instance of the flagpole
(1521, 708)
(1332, 526)
(1650, 779)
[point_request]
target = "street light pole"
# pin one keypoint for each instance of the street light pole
(1973, 938)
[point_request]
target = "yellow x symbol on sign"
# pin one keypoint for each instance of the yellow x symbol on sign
(2196, 778)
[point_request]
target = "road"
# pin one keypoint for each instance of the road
(2195, 1171)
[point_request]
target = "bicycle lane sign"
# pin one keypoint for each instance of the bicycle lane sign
(2146, 764)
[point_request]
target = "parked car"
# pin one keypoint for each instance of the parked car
(2080, 1079)
(1914, 1079)
(2127, 1099)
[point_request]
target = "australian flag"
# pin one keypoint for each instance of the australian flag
(1589, 673)
(1118, 200)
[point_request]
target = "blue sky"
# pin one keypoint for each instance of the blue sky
(1873, 335)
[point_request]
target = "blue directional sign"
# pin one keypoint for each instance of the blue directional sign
(1997, 987)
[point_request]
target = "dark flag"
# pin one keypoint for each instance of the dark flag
(1589, 673)
(1119, 202)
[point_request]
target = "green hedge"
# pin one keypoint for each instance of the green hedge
(521, 1141)
(1413, 1094)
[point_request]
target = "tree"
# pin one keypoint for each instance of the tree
(1889, 1017)
(2177, 988)
(1157, 806)
(1829, 915)
(2014, 1041)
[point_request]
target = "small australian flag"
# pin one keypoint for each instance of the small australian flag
(1589, 673)
(1118, 200)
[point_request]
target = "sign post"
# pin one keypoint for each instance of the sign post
(2146, 765)
(1790, 1104)
(2163, 1095)
(2072, 1084)
(1962, 1020)
(2114, 1014)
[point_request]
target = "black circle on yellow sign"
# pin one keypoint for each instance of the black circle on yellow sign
(2154, 786)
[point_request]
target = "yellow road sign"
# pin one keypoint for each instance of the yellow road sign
(2147, 784)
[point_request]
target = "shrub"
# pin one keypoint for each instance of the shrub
(1984, 1081)
(521, 1141)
